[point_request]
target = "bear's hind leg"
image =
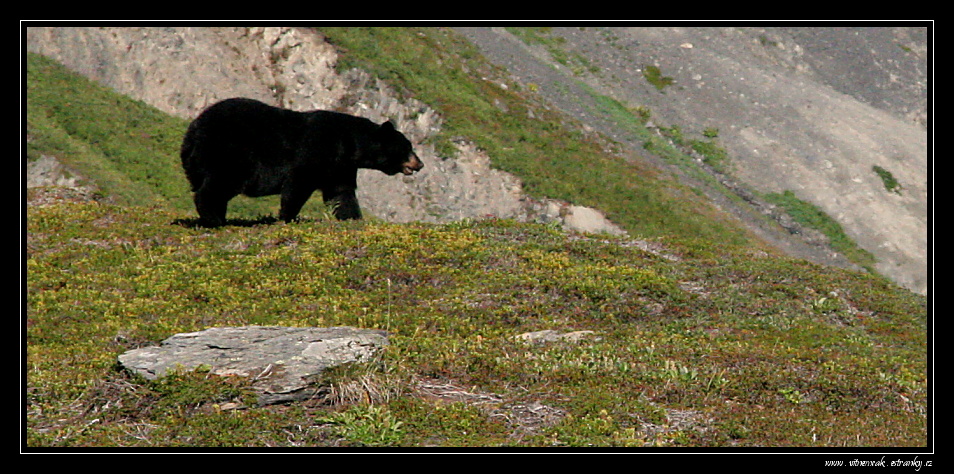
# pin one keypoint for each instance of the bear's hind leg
(344, 204)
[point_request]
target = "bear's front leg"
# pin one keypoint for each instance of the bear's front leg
(211, 202)
(293, 198)
(343, 203)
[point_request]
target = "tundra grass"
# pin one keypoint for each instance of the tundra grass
(693, 344)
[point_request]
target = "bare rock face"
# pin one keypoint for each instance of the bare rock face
(47, 171)
(282, 361)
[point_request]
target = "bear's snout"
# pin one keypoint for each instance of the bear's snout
(412, 164)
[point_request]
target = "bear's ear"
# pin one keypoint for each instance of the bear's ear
(387, 126)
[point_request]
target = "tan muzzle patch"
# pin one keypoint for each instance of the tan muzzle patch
(412, 165)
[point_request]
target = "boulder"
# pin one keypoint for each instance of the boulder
(283, 362)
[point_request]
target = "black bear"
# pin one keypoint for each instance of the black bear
(243, 146)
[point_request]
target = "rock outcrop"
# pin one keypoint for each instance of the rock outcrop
(282, 362)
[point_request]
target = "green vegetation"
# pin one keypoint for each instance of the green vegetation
(765, 41)
(668, 143)
(711, 152)
(655, 77)
(809, 215)
(555, 46)
(76, 120)
(891, 184)
(725, 335)
(701, 337)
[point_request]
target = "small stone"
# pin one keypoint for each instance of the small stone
(549, 335)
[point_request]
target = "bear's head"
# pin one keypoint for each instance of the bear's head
(394, 152)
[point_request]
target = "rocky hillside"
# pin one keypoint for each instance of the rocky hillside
(183, 70)
(823, 112)
(791, 106)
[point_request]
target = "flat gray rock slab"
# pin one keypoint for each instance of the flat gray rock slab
(282, 361)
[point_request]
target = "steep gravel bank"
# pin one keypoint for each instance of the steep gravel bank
(811, 110)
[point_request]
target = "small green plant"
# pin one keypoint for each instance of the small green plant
(602, 426)
(655, 77)
(717, 382)
(825, 305)
(185, 388)
(765, 41)
(792, 395)
(675, 372)
(674, 133)
(368, 425)
(712, 154)
(644, 113)
(887, 178)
